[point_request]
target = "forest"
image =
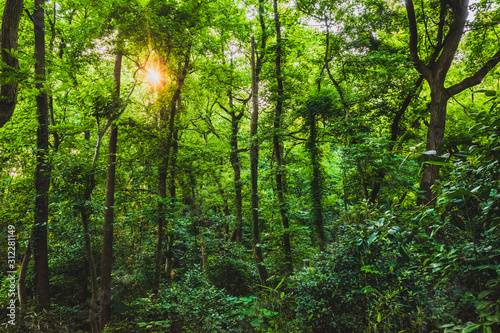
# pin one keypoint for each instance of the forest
(250, 166)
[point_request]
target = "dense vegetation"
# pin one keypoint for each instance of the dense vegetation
(250, 166)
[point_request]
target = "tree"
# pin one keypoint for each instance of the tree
(107, 238)
(278, 147)
(444, 40)
(42, 173)
(10, 26)
(254, 160)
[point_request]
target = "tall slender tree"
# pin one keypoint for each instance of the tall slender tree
(278, 146)
(107, 238)
(254, 162)
(42, 172)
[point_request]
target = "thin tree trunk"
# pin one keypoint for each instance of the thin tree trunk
(278, 147)
(254, 160)
(107, 245)
(10, 27)
(235, 162)
(203, 253)
(55, 135)
(162, 192)
(173, 169)
(225, 207)
(162, 174)
(21, 282)
(169, 264)
(93, 273)
(42, 173)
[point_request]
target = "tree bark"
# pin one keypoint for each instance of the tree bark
(42, 172)
(278, 147)
(254, 160)
(435, 136)
(107, 244)
(204, 256)
(10, 27)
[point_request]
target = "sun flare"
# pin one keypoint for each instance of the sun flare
(153, 76)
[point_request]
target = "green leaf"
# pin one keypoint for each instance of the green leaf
(471, 328)
(484, 293)
(372, 237)
(379, 316)
(438, 163)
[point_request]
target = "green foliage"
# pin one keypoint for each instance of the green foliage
(235, 275)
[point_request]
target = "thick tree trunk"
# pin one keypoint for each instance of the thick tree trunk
(445, 47)
(278, 147)
(42, 172)
(435, 136)
(254, 160)
(10, 27)
(107, 242)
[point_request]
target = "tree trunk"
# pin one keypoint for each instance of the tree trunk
(316, 185)
(21, 282)
(435, 72)
(10, 27)
(162, 192)
(435, 136)
(169, 264)
(204, 256)
(235, 162)
(162, 173)
(173, 169)
(42, 173)
(254, 160)
(107, 241)
(278, 147)
(93, 273)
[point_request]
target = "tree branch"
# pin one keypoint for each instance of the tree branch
(477, 77)
(412, 22)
